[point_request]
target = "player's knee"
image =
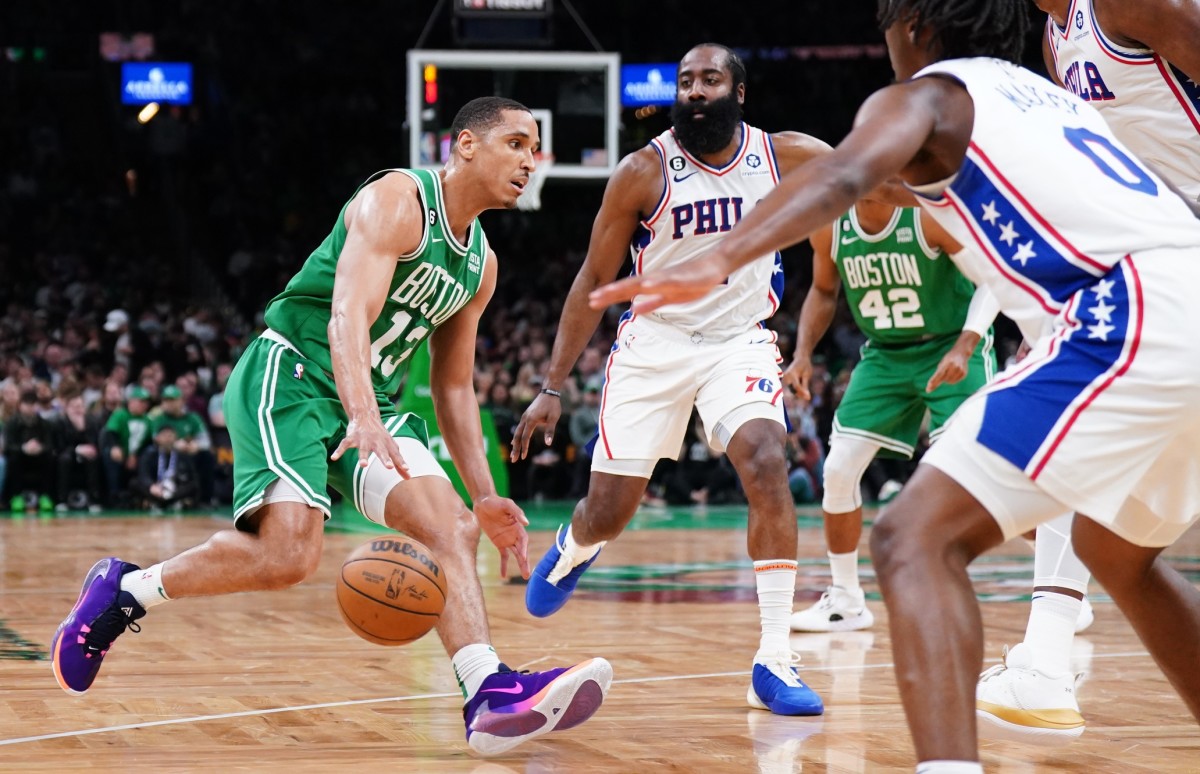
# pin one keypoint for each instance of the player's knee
(764, 467)
(465, 530)
(289, 562)
(842, 488)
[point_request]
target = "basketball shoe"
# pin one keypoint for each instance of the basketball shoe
(513, 707)
(101, 614)
(553, 580)
(776, 686)
(837, 610)
(1015, 701)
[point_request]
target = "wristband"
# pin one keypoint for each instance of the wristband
(555, 393)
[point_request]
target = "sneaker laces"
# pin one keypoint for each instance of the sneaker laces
(997, 669)
(782, 665)
(110, 624)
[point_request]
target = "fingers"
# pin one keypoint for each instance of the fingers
(521, 437)
(341, 449)
(522, 553)
(648, 303)
(503, 563)
(615, 292)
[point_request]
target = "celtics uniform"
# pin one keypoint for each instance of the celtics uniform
(281, 404)
(911, 302)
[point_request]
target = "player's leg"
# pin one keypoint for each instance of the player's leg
(843, 605)
(501, 708)
(280, 506)
(615, 490)
(644, 412)
(1162, 605)
(1035, 670)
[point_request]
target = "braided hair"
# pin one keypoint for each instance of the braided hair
(965, 28)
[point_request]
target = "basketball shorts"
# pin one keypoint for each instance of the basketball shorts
(886, 401)
(1101, 417)
(285, 419)
(657, 373)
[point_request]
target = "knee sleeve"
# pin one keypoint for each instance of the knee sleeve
(844, 467)
(373, 487)
(1054, 559)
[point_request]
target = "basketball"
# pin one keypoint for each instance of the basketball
(391, 591)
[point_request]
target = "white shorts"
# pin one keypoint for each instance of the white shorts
(657, 373)
(1102, 417)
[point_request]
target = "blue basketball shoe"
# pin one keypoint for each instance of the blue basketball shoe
(775, 685)
(101, 614)
(513, 707)
(553, 580)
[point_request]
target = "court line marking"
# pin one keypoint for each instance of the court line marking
(417, 697)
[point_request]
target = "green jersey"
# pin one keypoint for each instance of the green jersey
(129, 432)
(900, 289)
(188, 425)
(429, 285)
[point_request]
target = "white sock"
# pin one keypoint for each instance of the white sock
(1051, 630)
(472, 665)
(776, 583)
(146, 586)
(949, 767)
(577, 553)
(845, 569)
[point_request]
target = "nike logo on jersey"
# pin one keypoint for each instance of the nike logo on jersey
(679, 179)
(849, 240)
(435, 239)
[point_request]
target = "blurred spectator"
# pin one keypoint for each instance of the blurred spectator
(166, 478)
(125, 434)
(48, 404)
(191, 437)
(585, 420)
(222, 445)
(28, 448)
(77, 449)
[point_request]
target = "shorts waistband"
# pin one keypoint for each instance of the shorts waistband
(279, 338)
(674, 333)
(923, 340)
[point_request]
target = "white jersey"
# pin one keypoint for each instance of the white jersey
(699, 204)
(1151, 105)
(1048, 200)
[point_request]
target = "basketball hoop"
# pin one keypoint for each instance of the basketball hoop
(530, 199)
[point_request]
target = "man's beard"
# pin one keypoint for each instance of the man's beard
(711, 133)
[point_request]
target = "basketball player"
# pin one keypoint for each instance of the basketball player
(1102, 415)
(1132, 63)
(923, 321)
(667, 202)
(406, 260)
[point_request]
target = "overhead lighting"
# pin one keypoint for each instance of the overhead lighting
(148, 112)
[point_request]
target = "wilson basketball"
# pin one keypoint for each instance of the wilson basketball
(391, 591)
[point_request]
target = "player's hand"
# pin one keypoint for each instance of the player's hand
(797, 376)
(504, 523)
(544, 411)
(951, 370)
(370, 437)
(676, 285)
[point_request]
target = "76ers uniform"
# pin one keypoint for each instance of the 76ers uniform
(1102, 416)
(712, 353)
(1151, 105)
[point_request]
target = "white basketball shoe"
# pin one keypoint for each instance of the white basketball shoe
(838, 610)
(1016, 702)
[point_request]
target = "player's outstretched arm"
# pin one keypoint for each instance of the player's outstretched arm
(892, 126)
(384, 221)
(816, 314)
(451, 384)
(631, 185)
(1170, 28)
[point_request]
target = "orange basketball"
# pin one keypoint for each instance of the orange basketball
(391, 591)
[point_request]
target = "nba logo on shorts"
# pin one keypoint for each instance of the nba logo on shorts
(298, 371)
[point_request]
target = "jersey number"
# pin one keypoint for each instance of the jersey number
(1107, 157)
(900, 311)
(400, 321)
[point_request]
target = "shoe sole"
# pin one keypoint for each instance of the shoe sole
(995, 728)
(98, 569)
(568, 701)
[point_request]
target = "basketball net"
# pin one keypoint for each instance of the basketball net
(531, 198)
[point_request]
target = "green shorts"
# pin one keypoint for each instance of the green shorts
(886, 401)
(285, 419)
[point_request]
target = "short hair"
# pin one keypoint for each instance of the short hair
(964, 28)
(733, 62)
(481, 114)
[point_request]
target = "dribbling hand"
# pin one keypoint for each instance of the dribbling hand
(504, 523)
(676, 285)
(544, 411)
(370, 437)
(797, 377)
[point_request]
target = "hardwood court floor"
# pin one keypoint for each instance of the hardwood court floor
(275, 682)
